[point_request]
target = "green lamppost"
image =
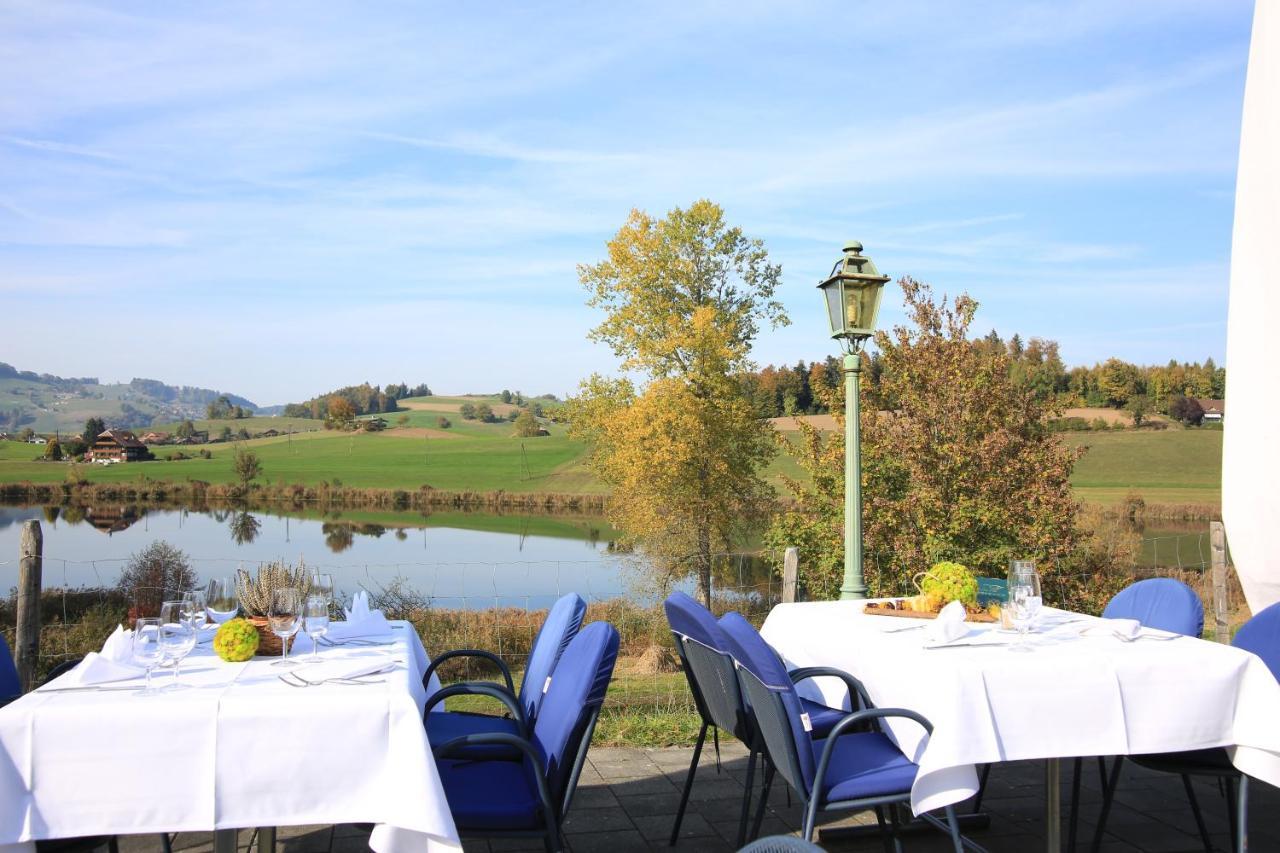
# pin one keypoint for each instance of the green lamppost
(853, 293)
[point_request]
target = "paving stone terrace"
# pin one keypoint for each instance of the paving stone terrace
(627, 800)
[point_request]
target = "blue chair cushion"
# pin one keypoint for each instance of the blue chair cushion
(9, 683)
(821, 717)
(488, 795)
(561, 625)
(444, 727)
(865, 764)
(1161, 603)
(688, 617)
(1261, 635)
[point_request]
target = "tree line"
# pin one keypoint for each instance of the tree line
(362, 399)
(1035, 368)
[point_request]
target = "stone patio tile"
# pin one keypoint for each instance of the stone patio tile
(645, 805)
(618, 841)
(596, 820)
(657, 827)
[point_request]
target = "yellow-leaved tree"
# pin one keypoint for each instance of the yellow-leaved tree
(684, 297)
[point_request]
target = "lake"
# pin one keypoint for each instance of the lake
(459, 559)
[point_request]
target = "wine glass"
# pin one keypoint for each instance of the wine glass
(286, 607)
(146, 647)
(316, 622)
(194, 609)
(322, 584)
(1024, 600)
(177, 639)
(220, 600)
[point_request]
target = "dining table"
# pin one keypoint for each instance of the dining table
(335, 739)
(1076, 688)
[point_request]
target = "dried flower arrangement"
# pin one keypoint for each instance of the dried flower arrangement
(255, 592)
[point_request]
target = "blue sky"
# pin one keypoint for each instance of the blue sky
(277, 199)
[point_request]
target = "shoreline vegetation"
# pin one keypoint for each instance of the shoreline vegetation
(196, 494)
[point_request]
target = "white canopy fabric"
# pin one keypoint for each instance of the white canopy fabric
(1251, 454)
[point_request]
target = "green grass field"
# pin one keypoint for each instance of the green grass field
(1174, 466)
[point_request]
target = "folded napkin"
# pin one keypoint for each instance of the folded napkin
(949, 626)
(206, 634)
(1125, 629)
(374, 626)
(315, 673)
(359, 609)
(113, 663)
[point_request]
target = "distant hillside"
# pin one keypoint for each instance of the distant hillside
(365, 399)
(48, 403)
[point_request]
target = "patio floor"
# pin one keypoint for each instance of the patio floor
(627, 800)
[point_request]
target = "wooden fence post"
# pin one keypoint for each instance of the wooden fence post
(1218, 556)
(790, 575)
(30, 568)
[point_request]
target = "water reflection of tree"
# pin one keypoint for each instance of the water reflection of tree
(244, 528)
(338, 536)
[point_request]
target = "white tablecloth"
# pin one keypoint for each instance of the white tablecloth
(241, 749)
(1072, 696)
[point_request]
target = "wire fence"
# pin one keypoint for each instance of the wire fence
(499, 607)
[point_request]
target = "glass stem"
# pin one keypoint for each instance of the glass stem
(176, 664)
(148, 687)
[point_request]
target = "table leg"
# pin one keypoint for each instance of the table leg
(1052, 807)
(224, 840)
(266, 839)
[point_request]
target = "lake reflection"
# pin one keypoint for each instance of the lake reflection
(460, 559)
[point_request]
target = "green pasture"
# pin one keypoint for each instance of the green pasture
(1173, 466)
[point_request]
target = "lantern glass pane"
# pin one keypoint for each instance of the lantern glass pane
(835, 311)
(861, 302)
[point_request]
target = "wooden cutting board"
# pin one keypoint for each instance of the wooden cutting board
(875, 608)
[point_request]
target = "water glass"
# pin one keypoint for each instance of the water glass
(177, 639)
(220, 600)
(316, 622)
(283, 618)
(1024, 600)
(146, 647)
(194, 609)
(322, 584)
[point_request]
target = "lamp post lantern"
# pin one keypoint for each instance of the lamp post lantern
(852, 292)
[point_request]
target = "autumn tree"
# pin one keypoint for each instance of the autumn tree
(1138, 407)
(53, 450)
(683, 298)
(962, 468)
(484, 413)
(247, 467)
(468, 411)
(341, 412)
(526, 424)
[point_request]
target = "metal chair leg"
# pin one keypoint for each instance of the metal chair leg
(954, 826)
(166, 843)
(884, 830)
(746, 798)
(1102, 771)
(893, 829)
(1073, 821)
(688, 783)
(764, 798)
(810, 818)
(1197, 814)
(1231, 812)
(1242, 818)
(1108, 794)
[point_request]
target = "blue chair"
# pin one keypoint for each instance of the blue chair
(855, 767)
(1261, 636)
(717, 695)
(560, 627)
(10, 684)
(1161, 603)
(530, 798)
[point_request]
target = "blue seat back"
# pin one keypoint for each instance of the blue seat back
(1261, 635)
(775, 704)
(561, 625)
(992, 591)
(1161, 603)
(9, 683)
(572, 699)
(708, 665)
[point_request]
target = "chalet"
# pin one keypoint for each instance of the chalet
(37, 439)
(269, 433)
(1214, 410)
(117, 445)
(156, 438)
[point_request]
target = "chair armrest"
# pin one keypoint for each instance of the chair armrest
(459, 746)
(469, 653)
(854, 720)
(479, 688)
(853, 685)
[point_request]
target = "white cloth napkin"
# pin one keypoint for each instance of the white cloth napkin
(113, 663)
(949, 626)
(1125, 629)
(206, 634)
(359, 609)
(374, 626)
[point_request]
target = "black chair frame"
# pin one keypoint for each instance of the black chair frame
(553, 813)
(780, 744)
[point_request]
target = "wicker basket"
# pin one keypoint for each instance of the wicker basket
(269, 644)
